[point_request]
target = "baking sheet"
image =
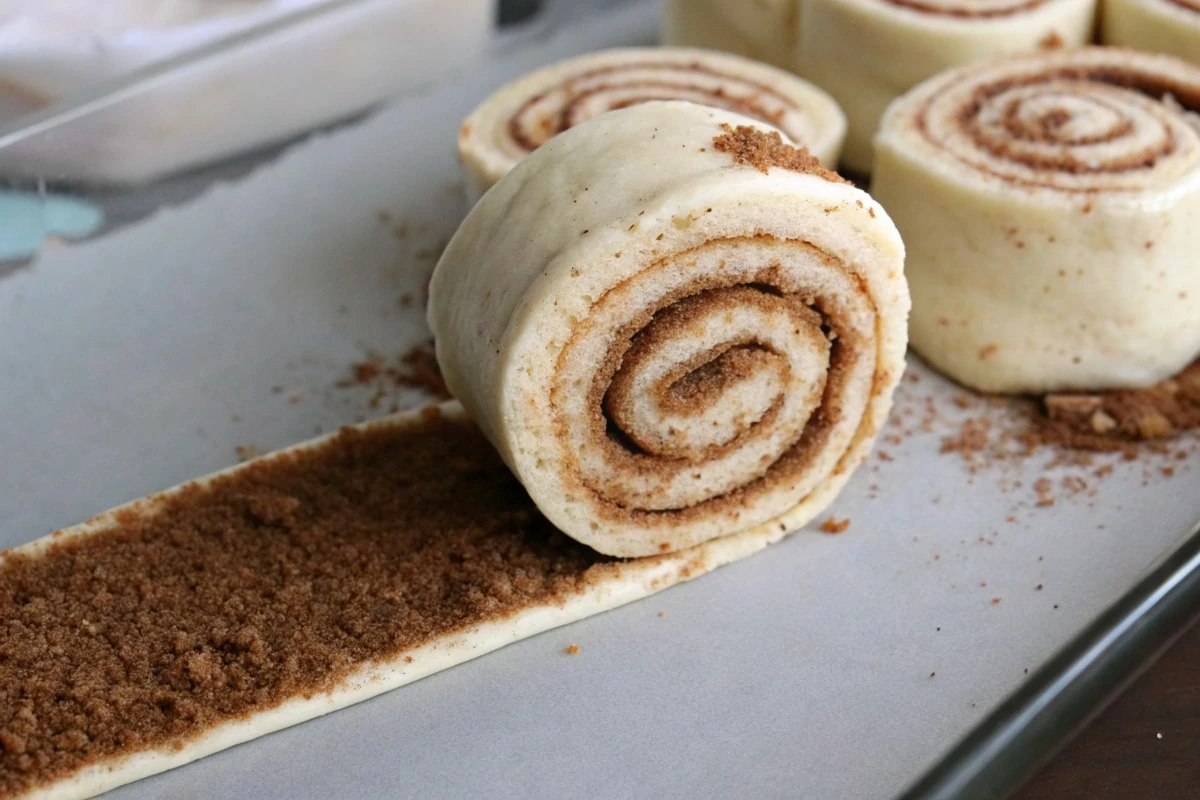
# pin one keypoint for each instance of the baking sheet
(833, 666)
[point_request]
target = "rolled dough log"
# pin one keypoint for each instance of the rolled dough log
(1050, 205)
(764, 30)
(867, 52)
(1156, 26)
(673, 326)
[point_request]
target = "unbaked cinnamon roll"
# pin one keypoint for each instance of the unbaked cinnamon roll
(520, 117)
(1157, 26)
(764, 30)
(867, 52)
(673, 325)
(1050, 205)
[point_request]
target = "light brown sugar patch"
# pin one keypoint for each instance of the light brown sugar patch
(270, 584)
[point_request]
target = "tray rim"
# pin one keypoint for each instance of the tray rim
(1075, 685)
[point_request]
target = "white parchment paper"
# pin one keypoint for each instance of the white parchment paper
(828, 666)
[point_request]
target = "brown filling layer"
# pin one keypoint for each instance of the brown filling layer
(271, 584)
(531, 136)
(1175, 93)
(966, 10)
(621, 454)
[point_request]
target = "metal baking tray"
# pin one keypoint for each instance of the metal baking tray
(943, 646)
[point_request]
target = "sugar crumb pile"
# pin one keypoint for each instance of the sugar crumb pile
(762, 150)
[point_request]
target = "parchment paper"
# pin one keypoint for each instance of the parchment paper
(828, 666)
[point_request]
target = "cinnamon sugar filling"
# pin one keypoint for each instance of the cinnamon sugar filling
(530, 129)
(1014, 134)
(703, 382)
(270, 584)
(967, 10)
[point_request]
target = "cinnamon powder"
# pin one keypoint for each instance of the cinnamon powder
(269, 584)
(762, 150)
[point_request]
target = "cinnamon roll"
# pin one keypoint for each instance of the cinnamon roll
(764, 30)
(1050, 205)
(520, 117)
(867, 52)
(1157, 26)
(673, 325)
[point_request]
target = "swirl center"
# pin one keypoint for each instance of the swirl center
(710, 367)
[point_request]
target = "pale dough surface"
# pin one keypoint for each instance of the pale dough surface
(1157, 26)
(764, 30)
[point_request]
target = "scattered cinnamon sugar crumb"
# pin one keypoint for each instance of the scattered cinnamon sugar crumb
(1051, 41)
(834, 525)
(1045, 491)
(415, 369)
(245, 452)
(571, 649)
(765, 149)
(995, 601)
(1117, 420)
(296, 398)
(662, 613)
(366, 371)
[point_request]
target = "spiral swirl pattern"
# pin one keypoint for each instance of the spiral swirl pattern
(1080, 122)
(1049, 204)
(725, 367)
(914, 40)
(522, 116)
(699, 335)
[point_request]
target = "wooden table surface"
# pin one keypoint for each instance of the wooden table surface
(1146, 745)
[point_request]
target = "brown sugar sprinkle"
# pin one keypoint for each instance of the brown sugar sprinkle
(1051, 41)
(1118, 420)
(765, 149)
(415, 369)
(245, 452)
(269, 584)
(834, 526)
(571, 649)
